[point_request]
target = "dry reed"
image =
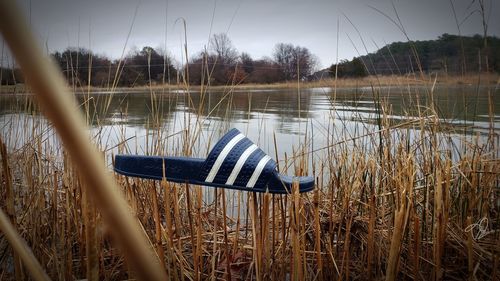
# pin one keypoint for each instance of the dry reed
(394, 207)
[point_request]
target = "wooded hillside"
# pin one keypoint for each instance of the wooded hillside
(452, 54)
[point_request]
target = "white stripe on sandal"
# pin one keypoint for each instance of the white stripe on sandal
(241, 161)
(258, 171)
(222, 156)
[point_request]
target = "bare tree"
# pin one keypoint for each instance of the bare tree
(221, 46)
(294, 61)
(246, 62)
(283, 55)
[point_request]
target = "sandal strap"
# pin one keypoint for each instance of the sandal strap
(236, 160)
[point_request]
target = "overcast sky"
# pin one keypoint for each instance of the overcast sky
(253, 26)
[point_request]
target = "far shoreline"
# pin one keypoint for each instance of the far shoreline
(482, 79)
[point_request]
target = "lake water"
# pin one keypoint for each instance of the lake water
(292, 117)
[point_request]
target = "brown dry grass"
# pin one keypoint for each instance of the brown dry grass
(379, 80)
(395, 207)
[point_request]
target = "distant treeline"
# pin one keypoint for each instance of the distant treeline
(219, 64)
(449, 53)
(222, 64)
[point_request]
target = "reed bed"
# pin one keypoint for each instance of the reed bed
(413, 200)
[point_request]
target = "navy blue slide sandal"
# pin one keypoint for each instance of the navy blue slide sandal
(234, 163)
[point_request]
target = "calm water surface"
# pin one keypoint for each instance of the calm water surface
(291, 116)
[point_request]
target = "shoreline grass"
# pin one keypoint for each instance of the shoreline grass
(487, 79)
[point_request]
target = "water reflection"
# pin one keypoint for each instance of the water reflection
(286, 112)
